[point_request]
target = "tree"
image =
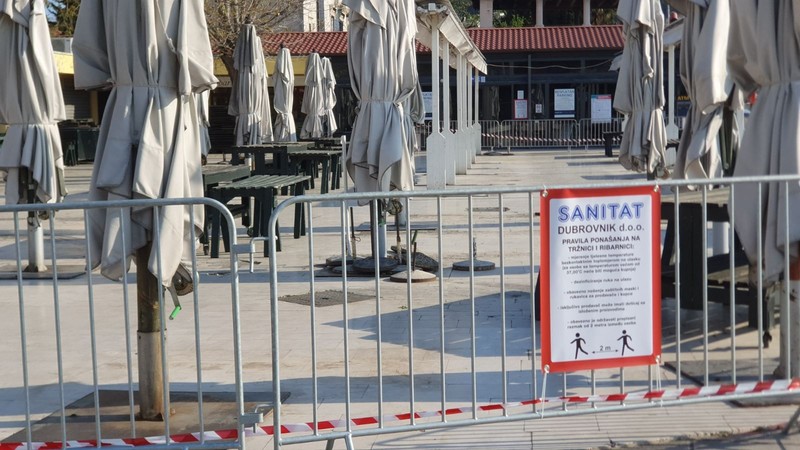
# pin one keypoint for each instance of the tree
(468, 15)
(226, 17)
(604, 16)
(65, 14)
(513, 21)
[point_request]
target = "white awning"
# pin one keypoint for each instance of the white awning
(452, 30)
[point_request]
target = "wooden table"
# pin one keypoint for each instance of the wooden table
(326, 142)
(610, 137)
(220, 173)
(693, 253)
(213, 175)
(328, 159)
(264, 188)
(279, 152)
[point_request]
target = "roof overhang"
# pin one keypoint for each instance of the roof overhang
(673, 33)
(441, 17)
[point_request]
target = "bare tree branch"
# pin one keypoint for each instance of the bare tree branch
(225, 18)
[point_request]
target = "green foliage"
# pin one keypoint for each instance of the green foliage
(604, 16)
(514, 21)
(65, 14)
(468, 15)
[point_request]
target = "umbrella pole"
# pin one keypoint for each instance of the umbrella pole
(789, 365)
(351, 235)
(377, 231)
(152, 375)
(35, 232)
(35, 245)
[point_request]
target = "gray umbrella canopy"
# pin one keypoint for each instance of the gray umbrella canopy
(249, 101)
(383, 72)
(153, 54)
(764, 57)
(313, 99)
(704, 72)
(284, 129)
(30, 102)
(329, 97)
(640, 86)
(202, 99)
(415, 115)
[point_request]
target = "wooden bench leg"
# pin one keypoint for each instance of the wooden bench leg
(215, 224)
(206, 230)
(323, 184)
(336, 172)
(267, 206)
(299, 213)
(308, 169)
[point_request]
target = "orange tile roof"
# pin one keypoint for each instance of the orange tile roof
(330, 43)
(543, 39)
(488, 40)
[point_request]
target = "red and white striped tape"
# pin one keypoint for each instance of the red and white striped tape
(229, 435)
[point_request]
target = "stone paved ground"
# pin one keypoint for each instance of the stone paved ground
(651, 426)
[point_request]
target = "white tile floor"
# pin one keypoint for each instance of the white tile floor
(580, 431)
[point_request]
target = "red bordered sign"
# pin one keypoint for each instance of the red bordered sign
(600, 278)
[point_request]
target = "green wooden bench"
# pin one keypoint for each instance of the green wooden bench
(306, 161)
(264, 189)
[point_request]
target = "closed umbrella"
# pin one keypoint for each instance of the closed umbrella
(415, 115)
(329, 97)
(640, 87)
(284, 97)
(313, 105)
(703, 152)
(249, 101)
(764, 57)
(154, 55)
(31, 103)
(266, 110)
(202, 99)
(383, 72)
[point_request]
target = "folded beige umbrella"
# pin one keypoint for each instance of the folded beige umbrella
(329, 97)
(383, 73)
(31, 104)
(202, 100)
(703, 152)
(313, 105)
(249, 101)
(284, 129)
(764, 57)
(640, 87)
(153, 59)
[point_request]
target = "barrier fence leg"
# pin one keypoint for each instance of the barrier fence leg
(348, 443)
(789, 365)
(792, 422)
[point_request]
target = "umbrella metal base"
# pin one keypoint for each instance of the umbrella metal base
(65, 272)
(336, 261)
(350, 270)
(416, 276)
(367, 265)
(480, 266)
(114, 411)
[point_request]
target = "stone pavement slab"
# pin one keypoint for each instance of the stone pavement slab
(633, 427)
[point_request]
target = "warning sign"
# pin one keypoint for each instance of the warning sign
(600, 278)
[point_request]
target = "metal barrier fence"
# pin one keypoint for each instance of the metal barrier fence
(490, 133)
(466, 349)
(363, 357)
(70, 341)
(550, 133)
